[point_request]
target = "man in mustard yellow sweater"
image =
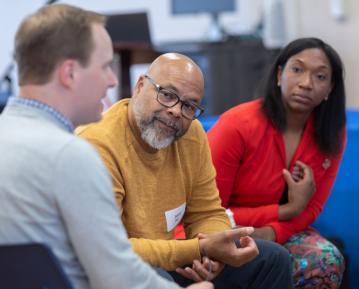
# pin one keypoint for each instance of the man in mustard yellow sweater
(158, 156)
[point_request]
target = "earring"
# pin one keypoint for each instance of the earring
(326, 98)
(278, 83)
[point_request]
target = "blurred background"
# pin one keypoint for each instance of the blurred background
(245, 24)
(233, 41)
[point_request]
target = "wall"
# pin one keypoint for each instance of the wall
(315, 19)
(178, 28)
(303, 18)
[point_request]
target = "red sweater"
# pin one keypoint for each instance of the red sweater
(249, 156)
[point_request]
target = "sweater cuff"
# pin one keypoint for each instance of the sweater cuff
(281, 233)
(187, 251)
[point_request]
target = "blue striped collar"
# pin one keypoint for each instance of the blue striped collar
(44, 107)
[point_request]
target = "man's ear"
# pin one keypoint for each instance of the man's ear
(139, 85)
(66, 72)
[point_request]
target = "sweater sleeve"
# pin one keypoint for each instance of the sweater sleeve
(84, 197)
(255, 216)
(284, 230)
(167, 254)
(204, 213)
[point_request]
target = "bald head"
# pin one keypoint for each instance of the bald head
(180, 67)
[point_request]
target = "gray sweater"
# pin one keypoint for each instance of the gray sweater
(54, 189)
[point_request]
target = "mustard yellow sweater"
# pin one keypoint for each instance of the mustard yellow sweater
(146, 185)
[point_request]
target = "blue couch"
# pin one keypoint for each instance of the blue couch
(340, 217)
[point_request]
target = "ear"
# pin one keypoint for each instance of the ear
(279, 75)
(329, 92)
(66, 72)
(139, 85)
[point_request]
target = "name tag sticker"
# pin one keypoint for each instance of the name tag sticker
(174, 216)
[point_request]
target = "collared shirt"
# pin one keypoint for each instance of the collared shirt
(44, 107)
(51, 183)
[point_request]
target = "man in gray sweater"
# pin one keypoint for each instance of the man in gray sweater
(54, 188)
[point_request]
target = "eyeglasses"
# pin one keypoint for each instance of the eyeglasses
(169, 99)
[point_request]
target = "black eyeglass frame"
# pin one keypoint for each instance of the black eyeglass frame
(198, 109)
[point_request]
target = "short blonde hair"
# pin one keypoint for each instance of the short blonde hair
(51, 35)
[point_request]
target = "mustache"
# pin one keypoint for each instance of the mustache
(169, 122)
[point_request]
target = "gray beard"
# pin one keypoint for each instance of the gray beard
(148, 131)
(149, 135)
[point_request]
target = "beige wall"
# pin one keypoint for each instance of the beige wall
(315, 19)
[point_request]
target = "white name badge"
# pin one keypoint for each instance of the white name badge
(174, 216)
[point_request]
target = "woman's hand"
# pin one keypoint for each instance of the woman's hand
(297, 173)
(301, 187)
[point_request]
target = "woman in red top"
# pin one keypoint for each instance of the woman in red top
(277, 157)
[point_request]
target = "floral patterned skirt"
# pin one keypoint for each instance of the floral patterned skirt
(316, 262)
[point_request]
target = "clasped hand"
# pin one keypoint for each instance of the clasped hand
(301, 186)
(219, 249)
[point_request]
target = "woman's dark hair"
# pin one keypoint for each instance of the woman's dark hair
(329, 115)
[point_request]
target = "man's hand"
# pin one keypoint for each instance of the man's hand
(202, 285)
(221, 247)
(205, 271)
